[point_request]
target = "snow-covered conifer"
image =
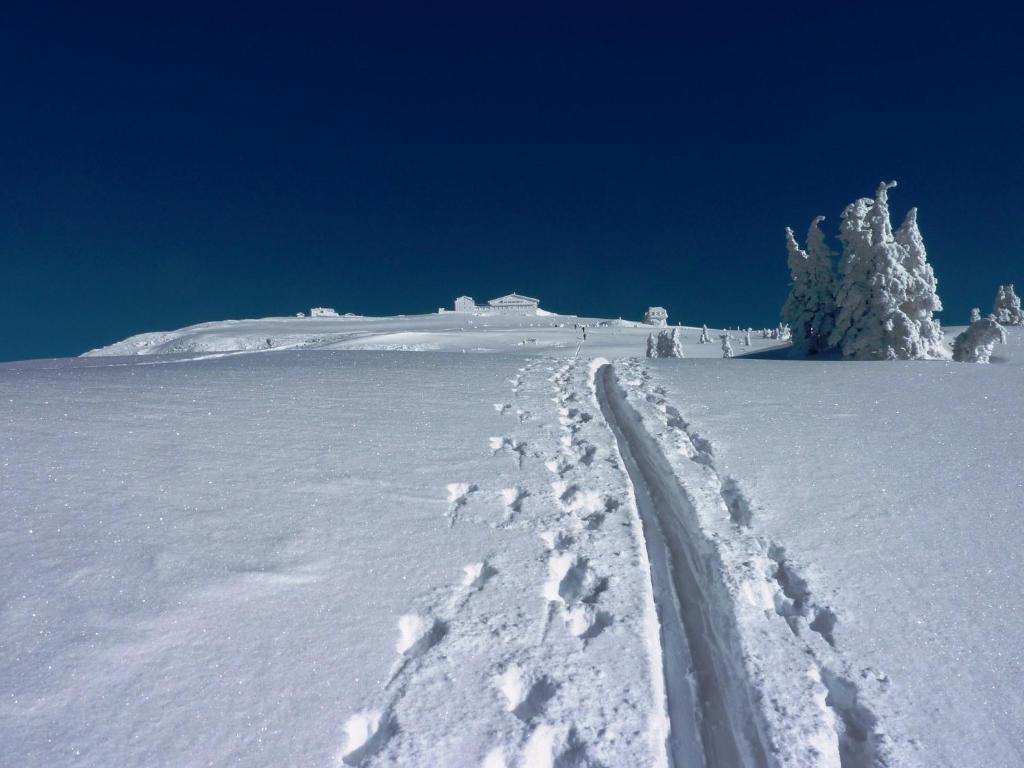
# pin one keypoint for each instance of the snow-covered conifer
(922, 298)
(726, 345)
(1006, 308)
(668, 343)
(810, 307)
(705, 338)
(975, 344)
(746, 338)
(975, 314)
(887, 291)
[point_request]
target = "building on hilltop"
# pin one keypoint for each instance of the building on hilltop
(323, 312)
(656, 316)
(465, 304)
(514, 304)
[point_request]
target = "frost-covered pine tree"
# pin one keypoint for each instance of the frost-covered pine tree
(922, 297)
(668, 343)
(975, 314)
(1006, 308)
(746, 338)
(726, 345)
(705, 338)
(975, 344)
(887, 291)
(810, 307)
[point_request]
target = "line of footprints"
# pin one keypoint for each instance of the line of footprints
(571, 592)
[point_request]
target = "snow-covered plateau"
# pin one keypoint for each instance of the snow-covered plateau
(470, 540)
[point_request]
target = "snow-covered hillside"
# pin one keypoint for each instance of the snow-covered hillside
(327, 550)
(454, 332)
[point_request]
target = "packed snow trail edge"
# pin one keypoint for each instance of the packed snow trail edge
(700, 640)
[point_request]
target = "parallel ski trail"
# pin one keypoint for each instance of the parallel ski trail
(698, 629)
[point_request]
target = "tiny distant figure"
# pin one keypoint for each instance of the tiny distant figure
(270, 343)
(584, 333)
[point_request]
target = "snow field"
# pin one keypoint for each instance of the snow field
(320, 559)
(870, 510)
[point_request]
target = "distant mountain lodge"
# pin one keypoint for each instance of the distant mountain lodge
(517, 304)
(512, 304)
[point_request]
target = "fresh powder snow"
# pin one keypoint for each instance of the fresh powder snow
(453, 540)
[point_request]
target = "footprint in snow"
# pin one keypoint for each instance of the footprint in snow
(365, 734)
(525, 695)
(554, 745)
(417, 634)
(508, 444)
(556, 541)
(513, 497)
(475, 575)
(458, 496)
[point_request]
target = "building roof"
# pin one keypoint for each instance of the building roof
(514, 297)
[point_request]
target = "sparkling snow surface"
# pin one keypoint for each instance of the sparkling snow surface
(891, 494)
(314, 557)
(328, 551)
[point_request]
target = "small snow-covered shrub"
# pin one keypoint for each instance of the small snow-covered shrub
(667, 343)
(975, 344)
(1006, 308)
(726, 345)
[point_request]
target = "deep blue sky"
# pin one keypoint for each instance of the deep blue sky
(167, 166)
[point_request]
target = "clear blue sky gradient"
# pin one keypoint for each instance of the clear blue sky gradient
(167, 166)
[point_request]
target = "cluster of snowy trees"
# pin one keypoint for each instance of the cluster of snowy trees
(1006, 308)
(976, 343)
(782, 332)
(880, 306)
(668, 343)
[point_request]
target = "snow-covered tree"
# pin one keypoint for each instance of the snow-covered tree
(726, 345)
(810, 307)
(975, 344)
(705, 338)
(887, 293)
(975, 314)
(746, 338)
(668, 343)
(1007, 306)
(922, 297)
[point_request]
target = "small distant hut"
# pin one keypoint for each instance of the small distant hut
(465, 304)
(656, 316)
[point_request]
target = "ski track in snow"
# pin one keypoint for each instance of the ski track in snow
(846, 733)
(542, 675)
(745, 667)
